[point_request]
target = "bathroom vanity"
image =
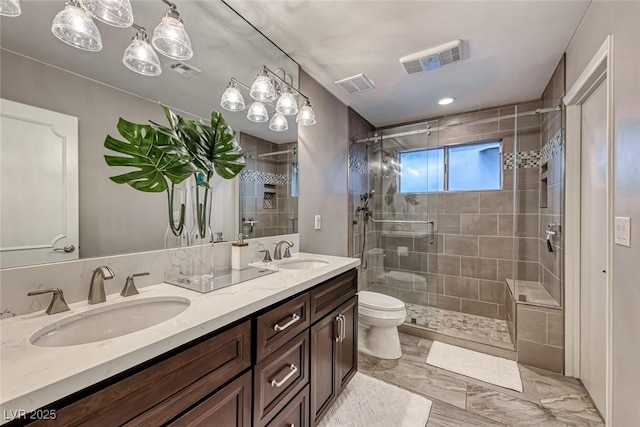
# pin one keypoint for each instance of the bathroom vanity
(274, 351)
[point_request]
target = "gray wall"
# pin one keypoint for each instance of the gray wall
(114, 218)
(620, 19)
(323, 159)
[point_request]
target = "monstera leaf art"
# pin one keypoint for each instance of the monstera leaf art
(158, 162)
(161, 157)
(213, 149)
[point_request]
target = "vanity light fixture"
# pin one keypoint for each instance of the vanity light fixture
(306, 116)
(257, 112)
(113, 12)
(10, 8)
(75, 27)
(140, 57)
(232, 99)
(170, 37)
(278, 123)
(446, 101)
(262, 88)
(270, 88)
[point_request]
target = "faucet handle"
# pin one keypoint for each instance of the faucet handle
(267, 256)
(130, 286)
(58, 304)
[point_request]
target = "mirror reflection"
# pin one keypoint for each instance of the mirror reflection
(60, 102)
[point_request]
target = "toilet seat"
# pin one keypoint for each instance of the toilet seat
(379, 302)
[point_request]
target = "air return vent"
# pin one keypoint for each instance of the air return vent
(432, 59)
(357, 83)
(184, 69)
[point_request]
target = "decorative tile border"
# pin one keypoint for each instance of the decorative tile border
(250, 175)
(553, 147)
(358, 165)
(522, 159)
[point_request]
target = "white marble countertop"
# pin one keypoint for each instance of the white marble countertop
(32, 376)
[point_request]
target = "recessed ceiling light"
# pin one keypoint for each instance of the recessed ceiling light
(446, 101)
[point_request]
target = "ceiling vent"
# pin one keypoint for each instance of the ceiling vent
(183, 69)
(432, 59)
(357, 83)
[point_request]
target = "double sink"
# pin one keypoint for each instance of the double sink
(131, 316)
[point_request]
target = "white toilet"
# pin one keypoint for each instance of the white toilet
(378, 319)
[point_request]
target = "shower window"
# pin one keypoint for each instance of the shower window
(463, 167)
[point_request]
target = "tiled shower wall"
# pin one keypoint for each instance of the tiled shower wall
(278, 212)
(358, 185)
(477, 246)
(540, 330)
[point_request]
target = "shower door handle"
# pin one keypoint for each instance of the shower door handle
(432, 225)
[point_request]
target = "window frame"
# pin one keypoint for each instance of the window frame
(445, 148)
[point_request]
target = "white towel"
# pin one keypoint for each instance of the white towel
(403, 251)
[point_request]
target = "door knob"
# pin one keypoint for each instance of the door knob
(67, 249)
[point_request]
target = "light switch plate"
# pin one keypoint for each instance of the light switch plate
(623, 231)
(318, 222)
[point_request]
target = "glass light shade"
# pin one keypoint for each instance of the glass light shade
(10, 8)
(140, 57)
(287, 104)
(278, 123)
(76, 28)
(171, 39)
(262, 88)
(306, 116)
(232, 99)
(113, 12)
(257, 112)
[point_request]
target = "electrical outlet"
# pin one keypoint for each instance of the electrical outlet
(318, 222)
(623, 231)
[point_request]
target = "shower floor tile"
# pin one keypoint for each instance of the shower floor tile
(456, 323)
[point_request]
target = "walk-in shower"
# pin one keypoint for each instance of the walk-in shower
(447, 212)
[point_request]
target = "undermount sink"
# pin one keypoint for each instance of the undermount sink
(109, 322)
(303, 264)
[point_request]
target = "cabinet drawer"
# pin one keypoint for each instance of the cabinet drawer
(229, 407)
(279, 325)
(279, 377)
(296, 413)
(214, 362)
(326, 297)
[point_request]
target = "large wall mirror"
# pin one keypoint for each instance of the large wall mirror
(59, 103)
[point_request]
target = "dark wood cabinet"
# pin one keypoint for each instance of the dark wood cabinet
(334, 341)
(334, 361)
(229, 407)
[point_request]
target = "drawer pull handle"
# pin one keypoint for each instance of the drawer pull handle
(294, 370)
(294, 319)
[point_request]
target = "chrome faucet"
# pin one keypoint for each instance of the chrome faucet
(277, 252)
(96, 291)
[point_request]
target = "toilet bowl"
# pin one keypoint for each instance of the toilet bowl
(379, 316)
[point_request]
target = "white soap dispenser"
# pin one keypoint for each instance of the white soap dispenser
(240, 256)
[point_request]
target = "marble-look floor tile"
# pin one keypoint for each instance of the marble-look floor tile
(573, 407)
(445, 415)
(549, 384)
(367, 364)
(416, 355)
(425, 344)
(408, 340)
(507, 409)
(423, 380)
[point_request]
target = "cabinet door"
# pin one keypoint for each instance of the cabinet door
(229, 407)
(323, 366)
(347, 348)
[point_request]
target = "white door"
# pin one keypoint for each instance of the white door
(38, 185)
(593, 252)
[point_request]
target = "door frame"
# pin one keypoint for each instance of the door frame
(599, 68)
